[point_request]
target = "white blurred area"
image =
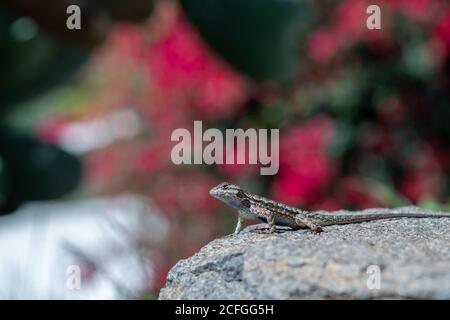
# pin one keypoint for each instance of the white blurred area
(84, 136)
(109, 239)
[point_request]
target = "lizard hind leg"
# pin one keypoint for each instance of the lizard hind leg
(303, 222)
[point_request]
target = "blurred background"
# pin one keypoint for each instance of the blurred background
(86, 117)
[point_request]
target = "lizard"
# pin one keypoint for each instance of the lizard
(251, 206)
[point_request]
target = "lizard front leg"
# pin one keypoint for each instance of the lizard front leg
(271, 222)
(239, 225)
(304, 221)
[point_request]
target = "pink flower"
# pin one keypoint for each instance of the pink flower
(418, 186)
(312, 136)
(185, 192)
(423, 177)
(356, 193)
(443, 30)
(50, 130)
(151, 159)
(305, 168)
(304, 183)
(186, 72)
(321, 45)
(328, 203)
(349, 25)
(416, 9)
(126, 41)
(99, 167)
(236, 170)
(349, 21)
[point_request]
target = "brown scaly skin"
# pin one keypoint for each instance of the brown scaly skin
(251, 206)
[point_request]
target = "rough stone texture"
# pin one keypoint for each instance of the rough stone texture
(413, 256)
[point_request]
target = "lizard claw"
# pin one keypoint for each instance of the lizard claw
(317, 230)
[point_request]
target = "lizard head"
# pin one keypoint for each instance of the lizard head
(232, 195)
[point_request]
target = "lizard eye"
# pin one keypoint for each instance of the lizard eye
(240, 194)
(246, 203)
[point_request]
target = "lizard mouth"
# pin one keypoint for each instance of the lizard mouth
(213, 192)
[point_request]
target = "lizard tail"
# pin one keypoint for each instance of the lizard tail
(347, 217)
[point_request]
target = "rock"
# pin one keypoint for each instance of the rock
(412, 255)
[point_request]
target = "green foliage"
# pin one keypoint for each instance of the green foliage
(137, 10)
(3, 182)
(435, 205)
(261, 38)
(32, 63)
(32, 66)
(34, 171)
